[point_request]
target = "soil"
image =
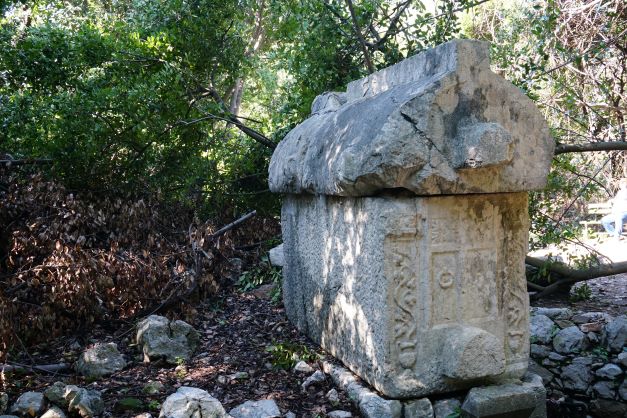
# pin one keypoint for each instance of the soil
(237, 336)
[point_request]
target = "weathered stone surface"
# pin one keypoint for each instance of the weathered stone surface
(569, 340)
(54, 412)
(577, 377)
(420, 408)
(314, 379)
(440, 122)
(604, 389)
(384, 283)
(609, 371)
(608, 409)
(29, 404)
(277, 257)
(586, 317)
(333, 397)
(536, 369)
(443, 408)
(541, 328)
(188, 402)
(303, 367)
(615, 336)
(160, 338)
(622, 358)
(369, 403)
(101, 360)
(266, 408)
(526, 398)
(339, 414)
(553, 313)
(55, 393)
(622, 390)
(539, 351)
(88, 403)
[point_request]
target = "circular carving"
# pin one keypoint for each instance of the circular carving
(446, 280)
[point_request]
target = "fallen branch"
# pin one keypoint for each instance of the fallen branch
(591, 146)
(48, 368)
(232, 225)
(569, 276)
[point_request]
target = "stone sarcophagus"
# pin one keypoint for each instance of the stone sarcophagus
(405, 222)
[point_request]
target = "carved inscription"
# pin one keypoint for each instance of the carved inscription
(398, 253)
(444, 276)
(516, 305)
(443, 231)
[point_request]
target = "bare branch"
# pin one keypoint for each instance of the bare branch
(591, 147)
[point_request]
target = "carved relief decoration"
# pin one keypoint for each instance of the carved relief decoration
(399, 252)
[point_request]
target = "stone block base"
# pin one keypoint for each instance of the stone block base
(417, 295)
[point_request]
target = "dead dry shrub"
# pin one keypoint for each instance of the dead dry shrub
(70, 260)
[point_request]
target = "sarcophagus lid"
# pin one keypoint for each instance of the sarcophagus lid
(440, 122)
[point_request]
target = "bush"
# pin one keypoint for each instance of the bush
(71, 260)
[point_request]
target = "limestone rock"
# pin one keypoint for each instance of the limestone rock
(622, 358)
(541, 328)
(440, 122)
(55, 393)
(569, 340)
(604, 389)
(609, 371)
(553, 313)
(616, 334)
(370, 404)
(101, 360)
(420, 408)
(88, 403)
(333, 397)
(266, 408)
(303, 367)
(339, 414)
(379, 249)
(622, 390)
(536, 369)
(315, 378)
(4, 402)
(445, 407)
(153, 387)
(527, 398)
(374, 406)
(54, 412)
(160, 338)
(29, 404)
(188, 402)
(277, 258)
(538, 351)
(576, 377)
(587, 317)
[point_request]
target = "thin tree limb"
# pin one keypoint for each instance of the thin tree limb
(360, 37)
(591, 147)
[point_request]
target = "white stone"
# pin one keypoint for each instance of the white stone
(420, 408)
(29, 404)
(339, 414)
(188, 402)
(333, 397)
(553, 313)
(370, 404)
(526, 398)
(569, 340)
(385, 283)
(55, 393)
(615, 336)
(443, 408)
(160, 338)
(314, 379)
(88, 403)
(100, 360)
(266, 408)
(440, 122)
(609, 371)
(303, 367)
(541, 328)
(277, 258)
(54, 412)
